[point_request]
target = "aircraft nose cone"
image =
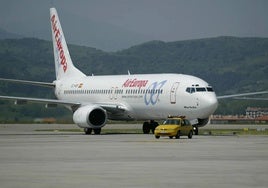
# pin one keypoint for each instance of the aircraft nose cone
(213, 103)
(209, 104)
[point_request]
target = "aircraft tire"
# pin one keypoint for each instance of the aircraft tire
(153, 125)
(196, 131)
(146, 128)
(97, 131)
(88, 131)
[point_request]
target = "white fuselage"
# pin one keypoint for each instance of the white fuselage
(95, 99)
(145, 96)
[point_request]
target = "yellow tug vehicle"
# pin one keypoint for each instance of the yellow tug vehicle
(174, 126)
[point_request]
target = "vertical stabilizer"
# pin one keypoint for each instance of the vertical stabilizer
(63, 63)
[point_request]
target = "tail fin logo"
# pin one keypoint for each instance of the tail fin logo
(57, 36)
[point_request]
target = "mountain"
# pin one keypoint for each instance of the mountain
(229, 64)
(82, 31)
(7, 35)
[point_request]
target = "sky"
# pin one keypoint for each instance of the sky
(128, 22)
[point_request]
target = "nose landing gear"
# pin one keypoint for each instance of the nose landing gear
(196, 130)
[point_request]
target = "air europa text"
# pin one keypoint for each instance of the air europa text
(57, 36)
(135, 83)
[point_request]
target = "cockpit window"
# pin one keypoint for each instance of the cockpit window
(201, 89)
(190, 89)
(197, 88)
(210, 89)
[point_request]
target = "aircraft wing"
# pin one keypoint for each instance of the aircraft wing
(24, 100)
(112, 108)
(241, 95)
(252, 98)
(42, 84)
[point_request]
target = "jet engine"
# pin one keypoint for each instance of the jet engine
(90, 116)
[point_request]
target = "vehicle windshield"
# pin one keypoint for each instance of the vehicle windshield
(172, 122)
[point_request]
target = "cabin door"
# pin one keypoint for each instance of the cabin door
(173, 92)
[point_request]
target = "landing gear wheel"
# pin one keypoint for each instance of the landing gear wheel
(146, 128)
(88, 131)
(149, 126)
(153, 125)
(196, 130)
(97, 131)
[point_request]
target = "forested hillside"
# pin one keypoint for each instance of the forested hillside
(229, 64)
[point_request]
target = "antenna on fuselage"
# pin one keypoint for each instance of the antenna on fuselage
(128, 72)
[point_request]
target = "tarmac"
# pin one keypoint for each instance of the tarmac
(33, 159)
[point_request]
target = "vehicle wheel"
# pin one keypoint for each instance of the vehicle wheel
(178, 135)
(97, 131)
(88, 130)
(190, 135)
(146, 128)
(170, 137)
(157, 137)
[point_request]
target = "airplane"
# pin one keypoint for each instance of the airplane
(95, 99)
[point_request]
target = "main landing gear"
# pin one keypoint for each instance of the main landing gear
(89, 130)
(149, 126)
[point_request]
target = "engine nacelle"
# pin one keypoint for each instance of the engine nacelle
(90, 116)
